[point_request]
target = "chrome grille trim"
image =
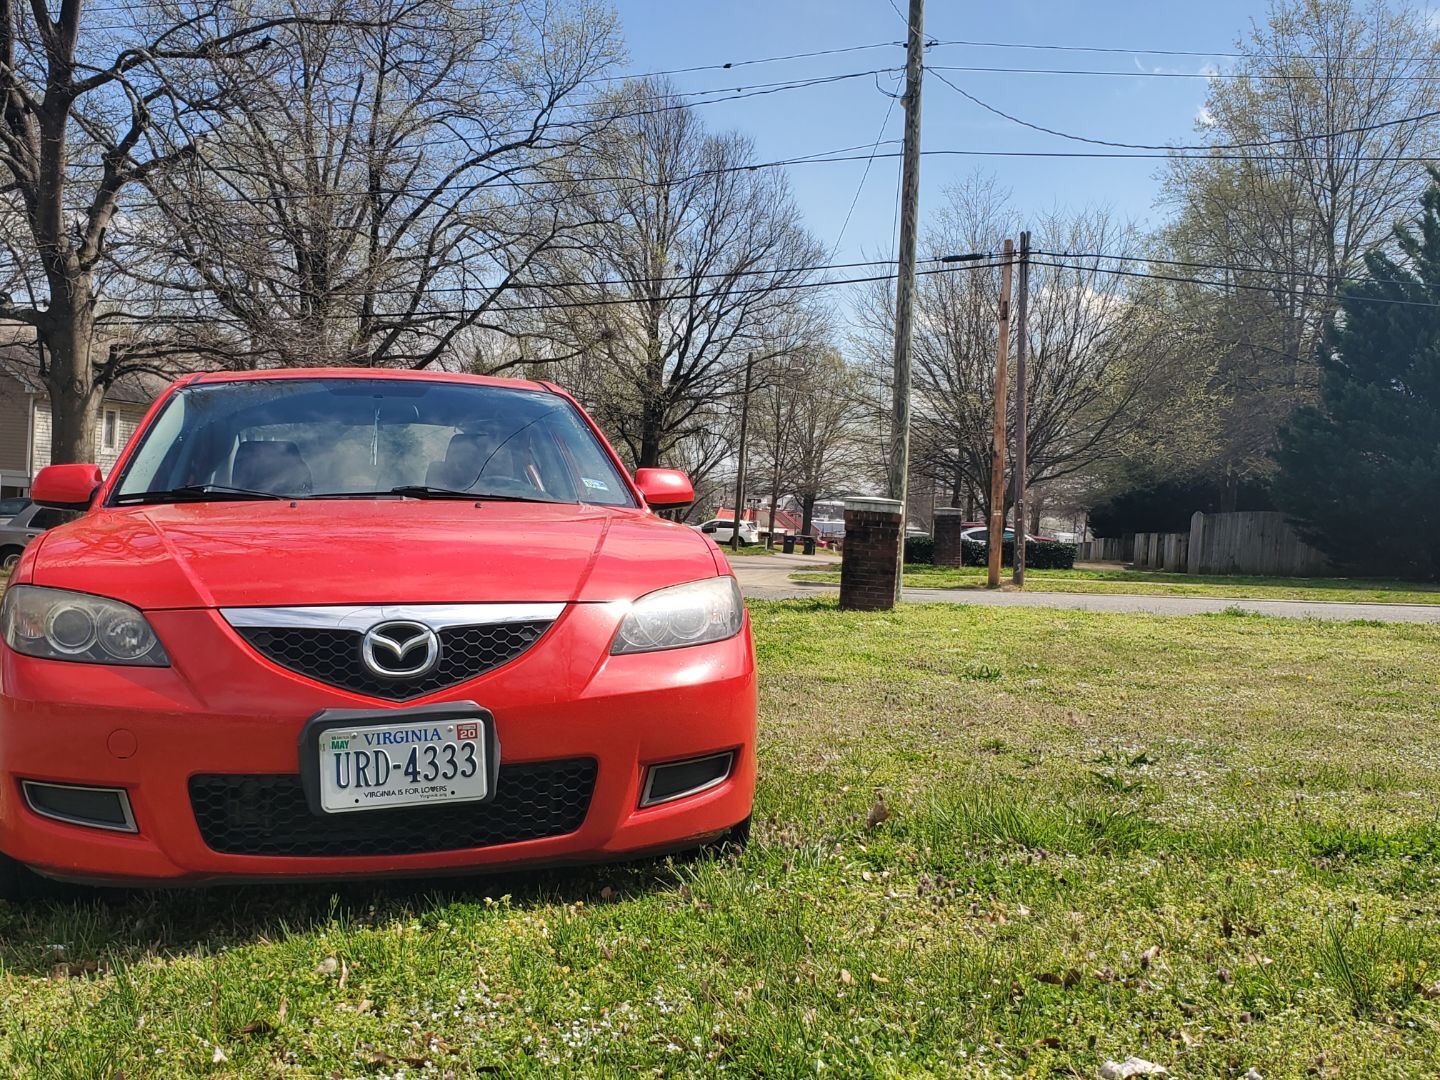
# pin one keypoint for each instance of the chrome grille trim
(363, 617)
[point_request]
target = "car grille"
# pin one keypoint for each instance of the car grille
(333, 656)
(269, 815)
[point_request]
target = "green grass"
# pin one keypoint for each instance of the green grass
(1212, 842)
(1153, 583)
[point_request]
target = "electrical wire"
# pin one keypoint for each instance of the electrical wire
(437, 314)
(1262, 75)
(860, 187)
(1235, 285)
(1257, 144)
(1116, 50)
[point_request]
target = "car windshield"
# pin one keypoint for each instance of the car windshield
(334, 437)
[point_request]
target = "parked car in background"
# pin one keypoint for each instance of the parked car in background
(16, 534)
(12, 506)
(721, 530)
(980, 534)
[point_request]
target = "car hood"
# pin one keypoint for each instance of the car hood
(244, 554)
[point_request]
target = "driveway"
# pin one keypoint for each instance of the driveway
(768, 578)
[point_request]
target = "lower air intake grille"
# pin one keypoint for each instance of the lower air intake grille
(268, 815)
(333, 656)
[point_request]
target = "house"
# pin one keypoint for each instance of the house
(25, 417)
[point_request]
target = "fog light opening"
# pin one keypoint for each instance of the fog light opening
(679, 779)
(75, 804)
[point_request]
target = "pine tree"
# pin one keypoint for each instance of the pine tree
(1360, 474)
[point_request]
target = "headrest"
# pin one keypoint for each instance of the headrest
(271, 466)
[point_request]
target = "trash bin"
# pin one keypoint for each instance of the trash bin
(809, 545)
(788, 544)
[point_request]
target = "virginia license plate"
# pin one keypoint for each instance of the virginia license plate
(384, 766)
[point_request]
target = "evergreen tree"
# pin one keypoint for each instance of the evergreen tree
(1360, 474)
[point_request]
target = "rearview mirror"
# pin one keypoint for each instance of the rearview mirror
(66, 487)
(664, 489)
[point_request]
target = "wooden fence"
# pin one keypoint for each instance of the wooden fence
(1251, 542)
(1246, 542)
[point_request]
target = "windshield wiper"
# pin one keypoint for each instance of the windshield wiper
(197, 493)
(429, 491)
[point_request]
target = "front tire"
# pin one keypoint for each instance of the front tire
(18, 882)
(9, 558)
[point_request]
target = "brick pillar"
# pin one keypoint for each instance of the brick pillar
(871, 555)
(948, 543)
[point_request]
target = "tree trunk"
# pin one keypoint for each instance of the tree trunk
(68, 337)
(807, 512)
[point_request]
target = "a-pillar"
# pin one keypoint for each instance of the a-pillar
(949, 536)
(871, 554)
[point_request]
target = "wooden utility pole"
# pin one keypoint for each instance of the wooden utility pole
(1022, 459)
(1002, 404)
(905, 274)
(740, 469)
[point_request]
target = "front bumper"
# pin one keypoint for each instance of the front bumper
(223, 710)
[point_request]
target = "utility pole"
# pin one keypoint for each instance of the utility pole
(905, 275)
(1002, 402)
(740, 470)
(1022, 460)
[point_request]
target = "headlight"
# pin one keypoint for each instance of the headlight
(689, 614)
(56, 624)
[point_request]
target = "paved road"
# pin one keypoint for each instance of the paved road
(768, 578)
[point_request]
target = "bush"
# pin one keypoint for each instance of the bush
(920, 549)
(1039, 554)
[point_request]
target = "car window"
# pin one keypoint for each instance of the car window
(48, 518)
(332, 437)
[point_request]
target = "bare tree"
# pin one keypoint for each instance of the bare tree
(85, 116)
(691, 260)
(1096, 368)
(379, 186)
(1325, 130)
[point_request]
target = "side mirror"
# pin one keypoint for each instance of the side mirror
(66, 487)
(664, 489)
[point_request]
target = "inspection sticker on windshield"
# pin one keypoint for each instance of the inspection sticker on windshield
(595, 485)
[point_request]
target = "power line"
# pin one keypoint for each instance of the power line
(1116, 50)
(739, 93)
(1258, 144)
(1235, 285)
(444, 313)
(1232, 268)
(869, 162)
(1263, 76)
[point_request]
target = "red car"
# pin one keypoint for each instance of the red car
(330, 623)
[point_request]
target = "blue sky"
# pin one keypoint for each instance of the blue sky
(666, 34)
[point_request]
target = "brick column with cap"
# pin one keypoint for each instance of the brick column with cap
(871, 554)
(949, 544)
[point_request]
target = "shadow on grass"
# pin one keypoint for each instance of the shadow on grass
(75, 929)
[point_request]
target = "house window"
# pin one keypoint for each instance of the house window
(111, 430)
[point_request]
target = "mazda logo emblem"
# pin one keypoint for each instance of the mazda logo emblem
(400, 649)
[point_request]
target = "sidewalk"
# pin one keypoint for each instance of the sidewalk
(768, 578)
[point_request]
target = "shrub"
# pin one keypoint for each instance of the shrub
(920, 549)
(1039, 554)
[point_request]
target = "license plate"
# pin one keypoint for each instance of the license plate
(382, 766)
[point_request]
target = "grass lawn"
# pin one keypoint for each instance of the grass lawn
(1153, 583)
(1211, 842)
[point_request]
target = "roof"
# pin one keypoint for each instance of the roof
(21, 361)
(407, 374)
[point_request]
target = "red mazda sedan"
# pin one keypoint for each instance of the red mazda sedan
(337, 623)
